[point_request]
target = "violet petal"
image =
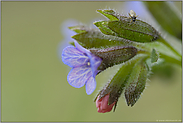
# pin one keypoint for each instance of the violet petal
(78, 76)
(73, 57)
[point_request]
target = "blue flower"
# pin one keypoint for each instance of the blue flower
(84, 67)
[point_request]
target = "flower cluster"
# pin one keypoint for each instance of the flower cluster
(120, 39)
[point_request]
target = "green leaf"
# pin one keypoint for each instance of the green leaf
(79, 29)
(72, 43)
(166, 17)
(103, 26)
(138, 31)
(96, 39)
(114, 55)
(136, 83)
(110, 14)
(154, 56)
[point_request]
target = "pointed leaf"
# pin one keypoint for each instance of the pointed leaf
(103, 26)
(136, 83)
(138, 31)
(79, 28)
(110, 14)
(154, 56)
(95, 39)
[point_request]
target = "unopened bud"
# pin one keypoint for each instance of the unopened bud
(114, 55)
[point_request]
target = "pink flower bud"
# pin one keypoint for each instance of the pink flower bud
(102, 104)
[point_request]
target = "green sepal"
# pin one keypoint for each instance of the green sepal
(110, 14)
(114, 55)
(79, 29)
(166, 17)
(136, 82)
(103, 26)
(96, 39)
(137, 31)
(72, 43)
(154, 56)
(117, 84)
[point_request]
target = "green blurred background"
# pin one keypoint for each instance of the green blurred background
(34, 79)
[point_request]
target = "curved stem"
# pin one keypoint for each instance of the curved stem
(166, 51)
(168, 45)
(171, 60)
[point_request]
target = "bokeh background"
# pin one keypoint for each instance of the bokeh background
(34, 79)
